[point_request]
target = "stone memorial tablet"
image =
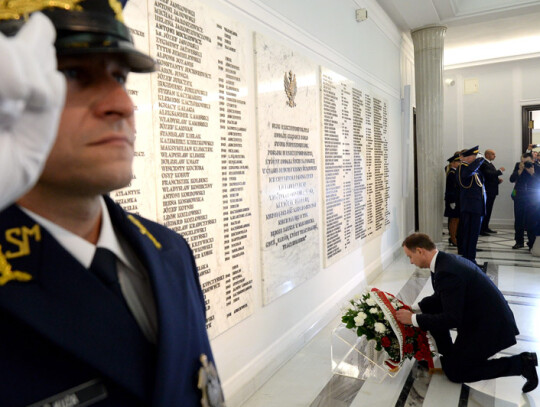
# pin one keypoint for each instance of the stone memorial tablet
(199, 143)
(289, 145)
(356, 192)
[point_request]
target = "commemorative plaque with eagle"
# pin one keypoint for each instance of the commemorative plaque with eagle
(289, 83)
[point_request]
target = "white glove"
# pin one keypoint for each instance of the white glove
(452, 206)
(32, 94)
(480, 155)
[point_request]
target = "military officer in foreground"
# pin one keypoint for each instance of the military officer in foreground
(472, 200)
(98, 307)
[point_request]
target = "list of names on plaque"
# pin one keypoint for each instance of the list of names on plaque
(202, 122)
(289, 167)
(355, 165)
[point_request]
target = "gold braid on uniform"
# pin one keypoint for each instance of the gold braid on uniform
(475, 178)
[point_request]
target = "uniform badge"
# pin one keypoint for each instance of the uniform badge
(212, 395)
(7, 275)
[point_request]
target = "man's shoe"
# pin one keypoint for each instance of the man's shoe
(483, 233)
(517, 246)
(490, 231)
(529, 362)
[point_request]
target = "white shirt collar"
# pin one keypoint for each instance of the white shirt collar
(433, 260)
(79, 248)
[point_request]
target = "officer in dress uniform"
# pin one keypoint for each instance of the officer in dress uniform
(451, 198)
(98, 307)
(472, 202)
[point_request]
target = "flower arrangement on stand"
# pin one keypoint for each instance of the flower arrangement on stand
(372, 314)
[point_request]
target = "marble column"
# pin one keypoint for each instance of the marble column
(428, 66)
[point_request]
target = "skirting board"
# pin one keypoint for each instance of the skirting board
(237, 389)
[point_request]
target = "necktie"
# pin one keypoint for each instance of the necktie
(104, 267)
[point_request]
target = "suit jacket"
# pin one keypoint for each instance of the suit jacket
(466, 299)
(63, 327)
(472, 195)
(491, 178)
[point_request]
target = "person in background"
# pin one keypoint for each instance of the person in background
(451, 198)
(32, 94)
(525, 198)
(466, 299)
(97, 305)
(491, 182)
(472, 201)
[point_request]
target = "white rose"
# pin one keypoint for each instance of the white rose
(371, 302)
(380, 328)
(360, 318)
(357, 297)
(373, 310)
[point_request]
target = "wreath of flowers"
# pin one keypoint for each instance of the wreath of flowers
(372, 314)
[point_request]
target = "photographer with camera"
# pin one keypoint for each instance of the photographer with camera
(525, 195)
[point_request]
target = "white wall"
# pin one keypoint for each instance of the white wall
(491, 117)
(369, 53)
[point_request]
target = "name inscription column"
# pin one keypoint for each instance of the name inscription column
(203, 144)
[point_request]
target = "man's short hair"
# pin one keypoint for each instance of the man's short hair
(418, 240)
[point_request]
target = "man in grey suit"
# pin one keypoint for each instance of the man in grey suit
(466, 299)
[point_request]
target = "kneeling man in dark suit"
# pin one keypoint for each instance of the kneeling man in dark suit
(466, 299)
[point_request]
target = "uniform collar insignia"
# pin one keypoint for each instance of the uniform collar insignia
(7, 274)
(212, 395)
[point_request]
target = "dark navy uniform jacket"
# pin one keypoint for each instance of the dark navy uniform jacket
(451, 195)
(466, 299)
(472, 196)
(63, 327)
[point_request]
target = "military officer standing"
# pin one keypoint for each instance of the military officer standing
(451, 198)
(98, 307)
(472, 202)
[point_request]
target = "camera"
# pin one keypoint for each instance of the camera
(528, 164)
(535, 145)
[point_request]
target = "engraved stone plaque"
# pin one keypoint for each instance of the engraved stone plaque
(289, 145)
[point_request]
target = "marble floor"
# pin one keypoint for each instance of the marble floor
(307, 379)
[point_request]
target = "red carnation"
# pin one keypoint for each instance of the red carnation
(418, 356)
(385, 341)
(408, 348)
(409, 331)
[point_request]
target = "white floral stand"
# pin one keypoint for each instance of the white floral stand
(356, 357)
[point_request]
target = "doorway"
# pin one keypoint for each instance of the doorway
(530, 126)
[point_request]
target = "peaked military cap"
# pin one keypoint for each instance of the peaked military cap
(455, 157)
(82, 27)
(470, 151)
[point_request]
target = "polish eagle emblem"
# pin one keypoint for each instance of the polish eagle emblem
(289, 83)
